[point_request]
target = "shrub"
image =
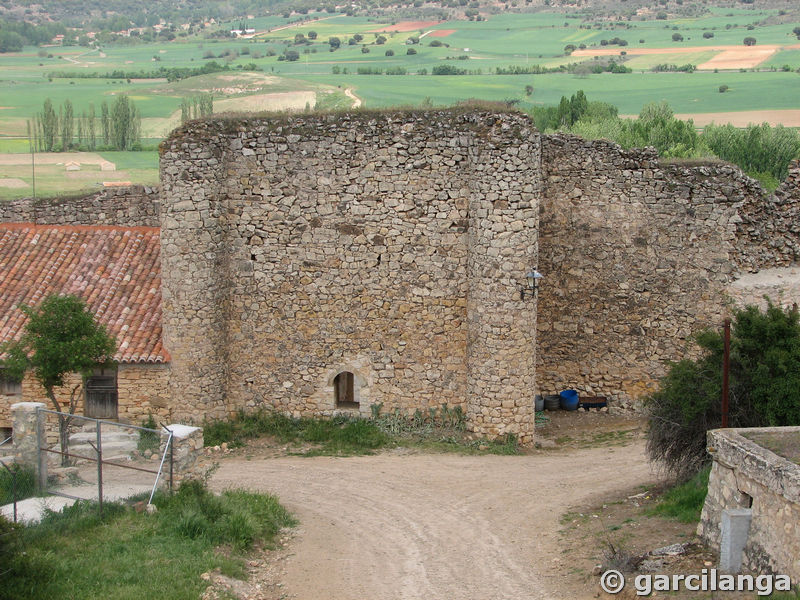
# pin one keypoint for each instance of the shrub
(708, 35)
(411, 51)
(677, 37)
(435, 43)
(749, 41)
(764, 390)
(723, 88)
(389, 53)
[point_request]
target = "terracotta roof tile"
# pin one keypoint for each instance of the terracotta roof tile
(116, 270)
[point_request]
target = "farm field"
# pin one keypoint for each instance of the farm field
(52, 178)
(761, 80)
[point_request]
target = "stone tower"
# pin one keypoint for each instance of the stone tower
(319, 264)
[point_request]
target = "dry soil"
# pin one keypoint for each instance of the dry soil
(404, 525)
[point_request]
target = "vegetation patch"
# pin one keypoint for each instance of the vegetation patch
(439, 429)
(684, 501)
(131, 555)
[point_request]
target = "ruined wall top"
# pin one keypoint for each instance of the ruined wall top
(130, 206)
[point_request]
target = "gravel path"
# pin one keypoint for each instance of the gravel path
(434, 526)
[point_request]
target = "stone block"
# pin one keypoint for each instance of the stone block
(735, 526)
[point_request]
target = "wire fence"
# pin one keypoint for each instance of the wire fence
(97, 460)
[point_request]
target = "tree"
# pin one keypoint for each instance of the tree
(764, 388)
(125, 123)
(60, 337)
(749, 41)
(10, 41)
(105, 123)
(334, 42)
(49, 125)
(67, 126)
(312, 35)
(91, 127)
(677, 37)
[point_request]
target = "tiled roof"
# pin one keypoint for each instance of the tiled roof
(115, 270)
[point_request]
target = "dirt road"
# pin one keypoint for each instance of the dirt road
(434, 526)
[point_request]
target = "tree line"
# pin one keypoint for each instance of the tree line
(761, 151)
(118, 127)
(196, 107)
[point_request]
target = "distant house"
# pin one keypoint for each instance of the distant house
(107, 166)
(72, 166)
(117, 271)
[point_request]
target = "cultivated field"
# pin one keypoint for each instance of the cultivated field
(759, 78)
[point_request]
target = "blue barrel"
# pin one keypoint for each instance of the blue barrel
(569, 400)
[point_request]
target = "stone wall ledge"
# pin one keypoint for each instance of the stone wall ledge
(731, 449)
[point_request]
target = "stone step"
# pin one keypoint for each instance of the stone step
(111, 436)
(115, 448)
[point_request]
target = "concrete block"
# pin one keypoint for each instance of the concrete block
(735, 529)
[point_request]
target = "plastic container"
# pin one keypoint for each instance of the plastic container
(538, 403)
(552, 402)
(569, 400)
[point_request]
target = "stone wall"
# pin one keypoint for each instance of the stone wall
(746, 475)
(135, 206)
(142, 389)
(637, 255)
(388, 245)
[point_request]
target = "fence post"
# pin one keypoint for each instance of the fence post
(29, 435)
(99, 468)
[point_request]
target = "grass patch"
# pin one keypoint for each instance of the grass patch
(129, 555)
(684, 501)
(438, 429)
(25, 485)
(341, 435)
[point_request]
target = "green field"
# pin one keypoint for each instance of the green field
(477, 47)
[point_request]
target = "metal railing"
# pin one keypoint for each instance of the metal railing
(150, 436)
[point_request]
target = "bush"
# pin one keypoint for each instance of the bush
(749, 41)
(435, 43)
(708, 35)
(723, 89)
(389, 53)
(411, 51)
(764, 387)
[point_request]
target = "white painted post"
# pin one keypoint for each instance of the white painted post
(735, 529)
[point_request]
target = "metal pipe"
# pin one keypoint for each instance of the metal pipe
(726, 368)
(100, 467)
(160, 466)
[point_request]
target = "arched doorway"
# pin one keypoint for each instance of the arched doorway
(344, 392)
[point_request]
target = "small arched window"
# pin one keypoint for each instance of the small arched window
(344, 390)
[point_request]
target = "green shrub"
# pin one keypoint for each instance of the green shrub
(764, 387)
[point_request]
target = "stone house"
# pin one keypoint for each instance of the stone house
(117, 271)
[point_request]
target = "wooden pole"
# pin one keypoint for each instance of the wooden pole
(726, 367)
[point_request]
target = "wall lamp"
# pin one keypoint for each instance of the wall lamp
(531, 284)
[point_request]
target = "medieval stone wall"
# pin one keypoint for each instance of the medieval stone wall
(637, 254)
(134, 206)
(388, 245)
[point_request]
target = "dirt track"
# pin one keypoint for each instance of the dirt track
(434, 526)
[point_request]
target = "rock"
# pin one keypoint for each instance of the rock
(544, 443)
